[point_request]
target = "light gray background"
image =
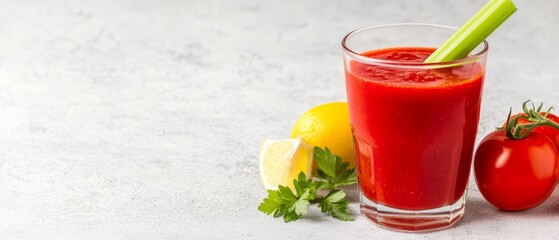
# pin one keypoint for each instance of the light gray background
(143, 119)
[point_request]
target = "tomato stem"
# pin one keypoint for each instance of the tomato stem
(534, 117)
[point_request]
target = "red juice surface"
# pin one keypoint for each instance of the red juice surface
(414, 129)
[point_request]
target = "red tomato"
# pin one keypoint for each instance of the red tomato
(516, 175)
(551, 133)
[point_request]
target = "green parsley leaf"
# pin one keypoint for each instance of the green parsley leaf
(336, 204)
(286, 194)
(300, 206)
(335, 196)
(325, 160)
(332, 172)
(341, 212)
(271, 204)
(302, 183)
(284, 202)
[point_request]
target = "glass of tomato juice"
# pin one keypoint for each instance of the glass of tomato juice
(414, 124)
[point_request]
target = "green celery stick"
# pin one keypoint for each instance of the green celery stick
(474, 31)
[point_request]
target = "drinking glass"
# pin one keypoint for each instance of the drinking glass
(414, 124)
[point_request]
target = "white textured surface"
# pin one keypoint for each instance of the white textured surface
(143, 120)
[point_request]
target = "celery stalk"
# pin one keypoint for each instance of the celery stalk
(474, 31)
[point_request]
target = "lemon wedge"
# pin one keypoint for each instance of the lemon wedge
(282, 160)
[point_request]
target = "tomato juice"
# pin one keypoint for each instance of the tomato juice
(414, 128)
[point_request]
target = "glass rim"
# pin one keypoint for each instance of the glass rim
(390, 63)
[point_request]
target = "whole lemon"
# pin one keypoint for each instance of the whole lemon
(327, 125)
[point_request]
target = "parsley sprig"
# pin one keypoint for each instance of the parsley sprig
(332, 173)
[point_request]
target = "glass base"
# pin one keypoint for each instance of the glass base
(412, 221)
